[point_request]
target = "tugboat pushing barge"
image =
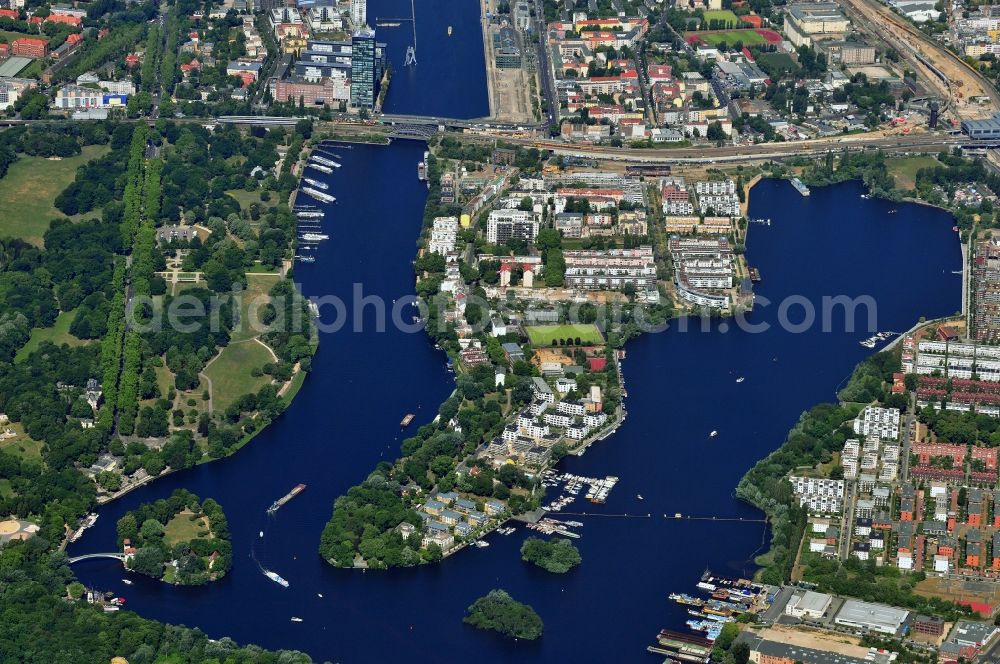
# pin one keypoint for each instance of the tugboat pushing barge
(280, 502)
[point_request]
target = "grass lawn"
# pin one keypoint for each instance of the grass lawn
(230, 372)
(22, 446)
(164, 379)
(255, 296)
(748, 37)
(262, 269)
(722, 15)
(29, 189)
(779, 61)
(5, 490)
(543, 335)
(905, 169)
(9, 36)
(33, 70)
(245, 198)
(58, 334)
(182, 529)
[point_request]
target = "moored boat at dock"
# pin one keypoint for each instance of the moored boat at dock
(88, 521)
(318, 195)
(321, 168)
(422, 167)
(683, 598)
(323, 161)
(316, 183)
(800, 186)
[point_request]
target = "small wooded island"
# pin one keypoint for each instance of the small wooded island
(502, 613)
(556, 556)
(180, 540)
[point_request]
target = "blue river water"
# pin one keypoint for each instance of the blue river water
(449, 79)
(681, 386)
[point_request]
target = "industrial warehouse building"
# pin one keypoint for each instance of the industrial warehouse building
(808, 605)
(983, 129)
(867, 617)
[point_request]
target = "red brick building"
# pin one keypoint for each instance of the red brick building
(312, 94)
(29, 47)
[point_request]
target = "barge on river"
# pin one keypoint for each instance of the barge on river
(280, 502)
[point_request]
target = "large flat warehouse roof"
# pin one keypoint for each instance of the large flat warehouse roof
(14, 65)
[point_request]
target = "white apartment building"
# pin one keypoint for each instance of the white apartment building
(571, 407)
(504, 225)
(715, 187)
(558, 419)
(875, 420)
(820, 495)
(443, 235)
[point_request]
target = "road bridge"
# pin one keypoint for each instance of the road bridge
(93, 556)
(415, 132)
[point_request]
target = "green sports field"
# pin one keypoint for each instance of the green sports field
(748, 37)
(543, 335)
(722, 15)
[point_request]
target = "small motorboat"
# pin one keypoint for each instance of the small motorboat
(262, 533)
(127, 582)
(320, 595)
(639, 496)
(296, 619)
(713, 434)
(740, 379)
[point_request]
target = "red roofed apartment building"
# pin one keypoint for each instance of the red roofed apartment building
(28, 47)
(67, 20)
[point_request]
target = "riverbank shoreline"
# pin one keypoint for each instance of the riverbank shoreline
(288, 390)
(749, 493)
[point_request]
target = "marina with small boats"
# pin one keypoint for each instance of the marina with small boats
(572, 485)
(88, 521)
(310, 217)
(722, 601)
(874, 340)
